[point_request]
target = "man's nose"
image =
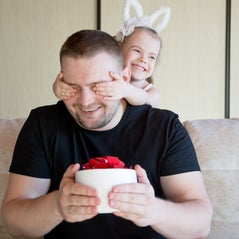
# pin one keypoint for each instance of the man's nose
(86, 97)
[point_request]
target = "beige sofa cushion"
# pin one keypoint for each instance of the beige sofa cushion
(9, 130)
(217, 147)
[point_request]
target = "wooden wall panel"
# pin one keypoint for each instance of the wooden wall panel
(190, 75)
(31, 34)
(234, 100)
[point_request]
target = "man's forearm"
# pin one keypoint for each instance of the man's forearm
(32, 217)
(190, 219)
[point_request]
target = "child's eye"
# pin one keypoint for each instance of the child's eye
(153, 58)
(136, 50)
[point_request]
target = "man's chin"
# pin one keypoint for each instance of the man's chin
(90, 125)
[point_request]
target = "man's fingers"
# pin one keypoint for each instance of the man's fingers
(141, 175)
(71, 170)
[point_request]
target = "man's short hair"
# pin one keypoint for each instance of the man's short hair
(88, 43)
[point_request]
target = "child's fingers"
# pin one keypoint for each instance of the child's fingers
(115, 76)
(60, 76)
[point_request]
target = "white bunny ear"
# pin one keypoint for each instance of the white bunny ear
(140, 20)
(162, 11)
(137, 7)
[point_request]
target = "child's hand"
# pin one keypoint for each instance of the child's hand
(62, 90)
(112, 90)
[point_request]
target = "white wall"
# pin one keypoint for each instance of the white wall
(190, 75)
(191, 72)
(31, 34)
(234, 99)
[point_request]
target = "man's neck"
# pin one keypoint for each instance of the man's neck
(117, 117)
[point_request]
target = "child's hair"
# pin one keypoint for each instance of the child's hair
(151, 31)
(141, 21)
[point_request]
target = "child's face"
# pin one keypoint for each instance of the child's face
(140, 51)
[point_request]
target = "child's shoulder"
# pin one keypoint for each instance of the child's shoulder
(148, 86)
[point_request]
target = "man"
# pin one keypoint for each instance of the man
(42, 198)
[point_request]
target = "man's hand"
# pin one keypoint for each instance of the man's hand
(113, 90)
(135, 201)
(76, 202)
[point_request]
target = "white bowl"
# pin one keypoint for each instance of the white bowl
(103, 180)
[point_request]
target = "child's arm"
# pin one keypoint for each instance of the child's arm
(62, 90)
(118, 89)
(153, 97)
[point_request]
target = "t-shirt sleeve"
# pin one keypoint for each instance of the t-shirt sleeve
(180, 156)
(30, 157)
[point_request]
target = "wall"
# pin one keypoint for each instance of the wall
(31, 34)
(191, 72)
(234, 96)
(190, 75)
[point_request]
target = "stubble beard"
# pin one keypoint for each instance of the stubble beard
(101, 121)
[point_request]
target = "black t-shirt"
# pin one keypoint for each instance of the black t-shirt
(51, 140)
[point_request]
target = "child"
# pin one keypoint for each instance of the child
(140, 44)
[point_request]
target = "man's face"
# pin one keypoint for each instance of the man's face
(89, 110)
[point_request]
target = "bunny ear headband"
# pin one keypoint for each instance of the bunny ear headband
(140, 20)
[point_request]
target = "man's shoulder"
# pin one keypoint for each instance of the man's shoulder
(153, 112)
(50, 110)
(49, 114)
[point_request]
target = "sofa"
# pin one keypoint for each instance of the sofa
(216, 142)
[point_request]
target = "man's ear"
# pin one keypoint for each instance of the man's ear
(126, 74)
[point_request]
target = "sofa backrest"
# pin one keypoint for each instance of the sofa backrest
(9, 130)
(217, 146)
